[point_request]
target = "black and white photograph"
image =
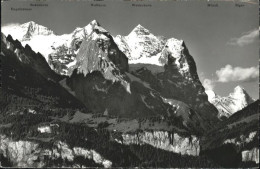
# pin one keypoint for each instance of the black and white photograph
(129, 84)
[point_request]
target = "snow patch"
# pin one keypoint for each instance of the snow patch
(134, 78)
(44, 129)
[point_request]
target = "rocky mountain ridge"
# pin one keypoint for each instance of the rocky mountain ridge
(58, 50)
(27, 56)
(229, 105)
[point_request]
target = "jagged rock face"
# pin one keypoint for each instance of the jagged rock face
(98, 63)
(63, 57)
(20, 152)
(164, 140)
(58, 50)
(35, 29)
(136, 99)
(180, 81)
(251, 155)
(99, 79)
(172, 54)
(27, 56)
(26, 75)
(98, 55)
(3, 38)
(31, 154)
(229, 105)
(122, 45)
(191, 119)
(131, 99)
(98, 52)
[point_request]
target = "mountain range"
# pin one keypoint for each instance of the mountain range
(101, 53)
(89, 99)
(142, 48)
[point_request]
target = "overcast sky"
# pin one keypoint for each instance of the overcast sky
(223, 40)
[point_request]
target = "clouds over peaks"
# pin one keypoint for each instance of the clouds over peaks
(237, 74)
(245, 38)
(229, 73)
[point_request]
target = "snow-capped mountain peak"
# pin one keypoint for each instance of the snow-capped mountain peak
(80, 33)
(238, 92)
(232, 103)
(143, 47)
(241, 97)
(27, 24)
(94, 22)
(92, 25)
(139, 30)
(139, 26)
(55, 48)
(140, 43)
(26, 31)
(33, 29)
(239, 88)
(65, 52)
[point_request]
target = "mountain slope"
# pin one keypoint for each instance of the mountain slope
(232, 103)
(234, 142)
(27, 77)
(27, 56)
(102, 66)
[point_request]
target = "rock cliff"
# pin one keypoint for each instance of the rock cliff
(165, 140)
(28, 57)
(251, 155)
(31, 154)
